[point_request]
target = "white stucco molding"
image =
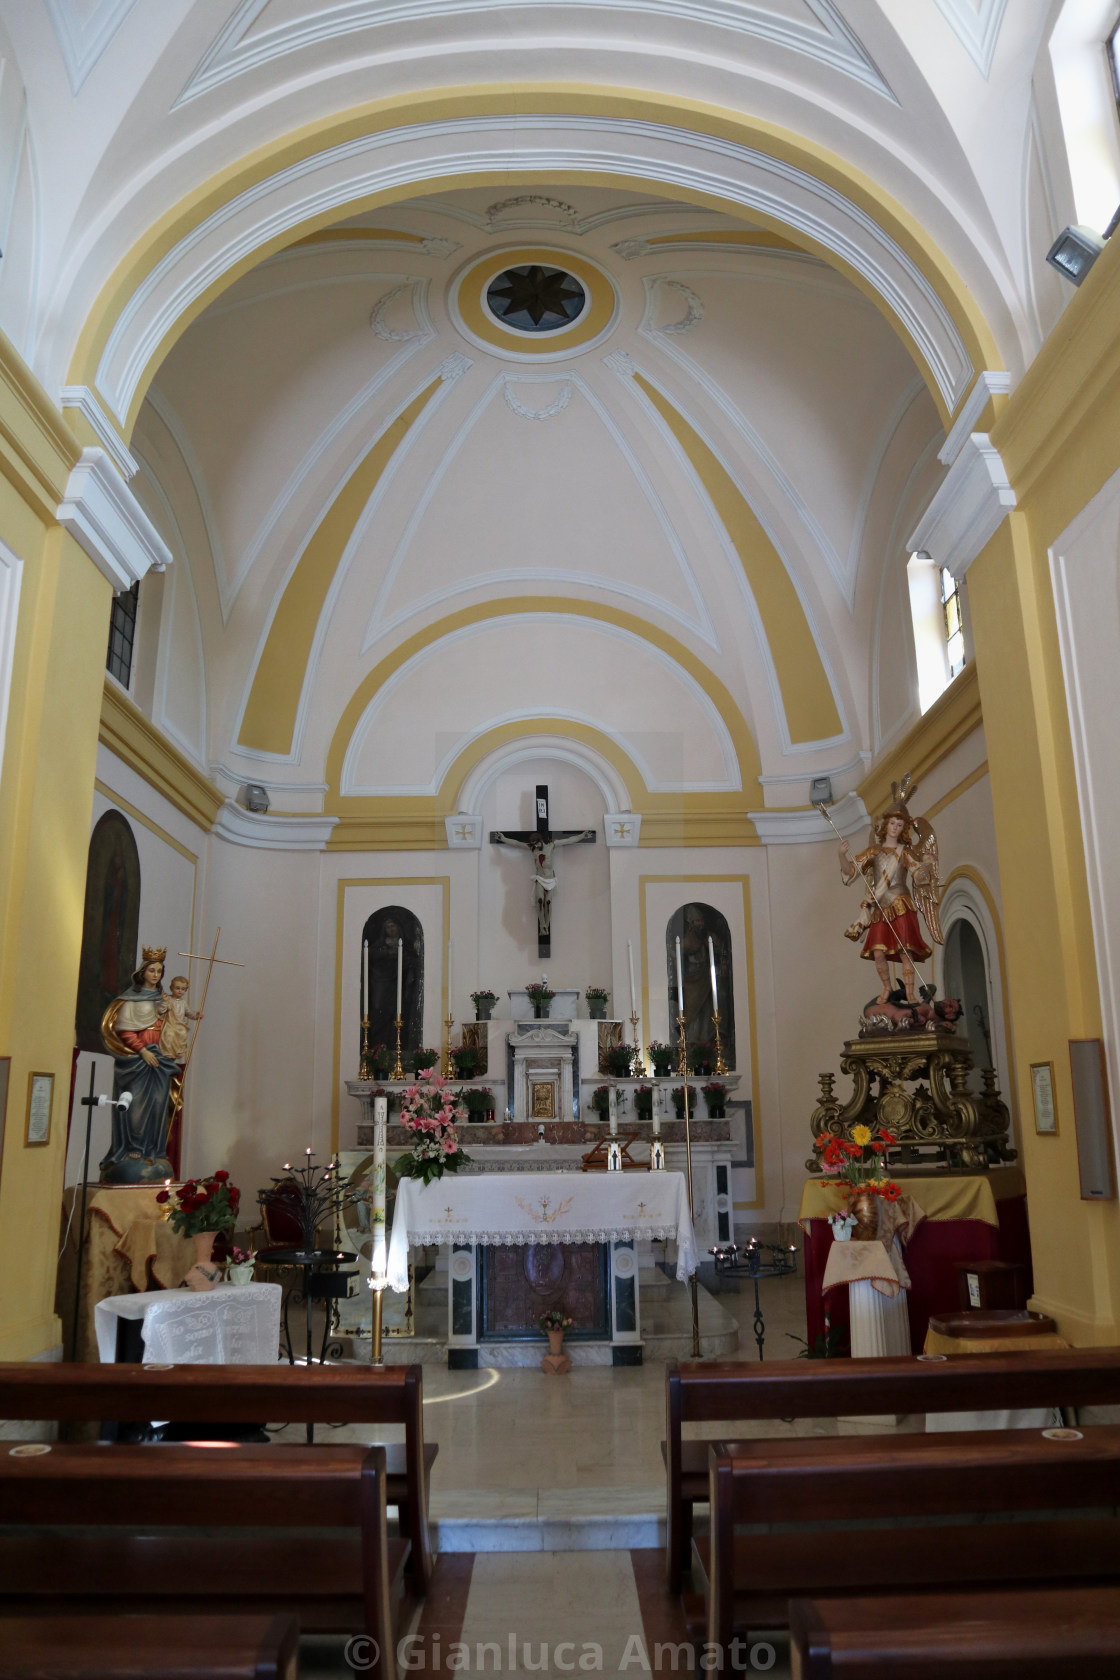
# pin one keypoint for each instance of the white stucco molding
(103, 515)
(621, 829)
(987, 386)
(272, 833)
(87, 405)
(799, 828)
(464, 832)
(970, 506)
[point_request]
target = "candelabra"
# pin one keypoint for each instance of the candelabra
(682, 1068)
(721, 1065)
(398, 1071)
(639, 1060)
(449, 1023)
(311, 1195)
(365, 1071)
(757, 1260)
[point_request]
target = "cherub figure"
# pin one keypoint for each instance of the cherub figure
(899, 869)
(175, 1034)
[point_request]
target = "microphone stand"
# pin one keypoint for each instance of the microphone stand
(89, 1103)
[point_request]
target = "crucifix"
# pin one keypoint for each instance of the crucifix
(541, 842)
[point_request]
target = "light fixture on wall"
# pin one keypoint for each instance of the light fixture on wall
(256, 797)
(820, 790)
(1077, 248)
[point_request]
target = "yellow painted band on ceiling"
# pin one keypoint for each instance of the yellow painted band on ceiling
(810, 708)
(348, 235)
(270, 716)
(746, 751)
(439, 105)
(472, 283)
(727, 236)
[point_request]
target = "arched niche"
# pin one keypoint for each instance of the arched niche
(693, 924)
(110, 925)
(969, 968)
(382, 931)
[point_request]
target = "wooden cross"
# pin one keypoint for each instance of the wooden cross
(195, 956)
(542, 842)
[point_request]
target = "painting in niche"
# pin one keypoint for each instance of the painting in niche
(693, 924)
(110, 925)
(382, 930)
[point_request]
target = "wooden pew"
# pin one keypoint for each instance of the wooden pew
(357, 1394)
(715, 1392)
(1061, 1633)
(150, 1647)
(336, 1582)
(751, 1578)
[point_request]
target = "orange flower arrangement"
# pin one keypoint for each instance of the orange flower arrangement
(859, 1165)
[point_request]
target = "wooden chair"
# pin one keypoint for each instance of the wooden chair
(336, 1582)
(208, 1394)
(811, 1484)
(150, 1647)
(1060, 1633)
(739, 1392)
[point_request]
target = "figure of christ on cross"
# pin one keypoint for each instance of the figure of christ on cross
(542, 843)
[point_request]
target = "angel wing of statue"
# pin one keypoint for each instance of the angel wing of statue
(926, 877)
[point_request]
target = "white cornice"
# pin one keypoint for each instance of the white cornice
(976, 24)
(87, 405)
(968, 509)
(103, 515)
(272, 833)
(799, 828)
(987, 386)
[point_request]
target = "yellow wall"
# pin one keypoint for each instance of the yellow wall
(46, 794)
(1059, 438)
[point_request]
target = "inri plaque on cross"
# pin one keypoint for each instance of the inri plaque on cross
(541, 842)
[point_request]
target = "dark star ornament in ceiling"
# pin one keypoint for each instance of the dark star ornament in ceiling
(535, 298)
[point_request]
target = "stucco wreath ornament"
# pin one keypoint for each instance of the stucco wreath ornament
(429, 1112)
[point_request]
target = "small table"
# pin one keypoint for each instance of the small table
(226, 1325)
(322, 1281)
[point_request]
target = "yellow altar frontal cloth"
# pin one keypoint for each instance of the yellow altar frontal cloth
(940, 1195)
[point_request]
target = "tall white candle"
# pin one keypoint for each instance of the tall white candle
(712, 965)
(365, 978)
(630, 959)
(377, 1208)
(450, 1009)
(612, 1108)
(680, 979)
(400, 968)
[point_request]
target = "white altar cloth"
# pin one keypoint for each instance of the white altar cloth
(560, 1207)
(226, 1325)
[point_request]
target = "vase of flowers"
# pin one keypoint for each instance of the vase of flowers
(619, 1058)
(554, 1323)
(424, 1057)
(701, 1057)
(540, 996)
(429, 1111)
(661, 1056)
(596, 1002)
(601, 1100)
(858, 1165)
(239, 1266)
(380, 1061)
(715, 1095)
(199, 1209)
(643, 1102)
(483, 1004)
(464, 1061)
(677, 1094)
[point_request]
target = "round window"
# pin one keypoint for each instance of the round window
(534, 299)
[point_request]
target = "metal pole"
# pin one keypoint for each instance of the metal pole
(89, 1104)
(682, 1064)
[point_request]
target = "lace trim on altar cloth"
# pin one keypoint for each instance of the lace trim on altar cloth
(567, 1234)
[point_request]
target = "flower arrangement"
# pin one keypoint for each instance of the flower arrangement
(487, 999)
(555, 1319)
(619, 1058)
(539, 993)
(677, 1094)
(661, 1055)
(239, 1264)
(201, 1204)
(424, 1057)
(429, 1112)
(715, 1095)
(859, 1165)
(464, 1061)
(643, 1101)
(596, 994)
(701, 1056)
(478, 1099)
(380, 1061)
(601, 1099)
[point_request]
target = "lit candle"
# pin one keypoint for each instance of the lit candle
(712, 965)
(680, 980)
(612, 1106)
(630, 959)
(400, 970)
(365, 978)
(377, 1210)
(450, 1011)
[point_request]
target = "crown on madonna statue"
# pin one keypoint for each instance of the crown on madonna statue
(154, 953)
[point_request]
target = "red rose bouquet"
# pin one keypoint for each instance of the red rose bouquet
(201, 1204)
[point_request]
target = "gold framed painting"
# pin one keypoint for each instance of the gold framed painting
(1042, 1091)
(40, 1097)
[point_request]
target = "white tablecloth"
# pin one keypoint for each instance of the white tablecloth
(225, 1325)
(541, 1208)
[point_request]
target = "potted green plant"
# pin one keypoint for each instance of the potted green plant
(597, 1002)
(464, 1061)
(540, 996)
(483, 1004)
(677, 1094)
(661, 1056)
(479, 1103)
(715, 1095)
(643, 1102)
(619, 1059)
(424, 1057)
(601, 1100)
(701, 1057)
(380, 1061)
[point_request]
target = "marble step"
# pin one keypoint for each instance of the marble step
(548, 1519)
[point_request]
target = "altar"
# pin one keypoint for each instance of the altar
(557, 1233)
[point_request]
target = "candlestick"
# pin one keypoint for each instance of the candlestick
(721, 1065)
(612, 1110)
(449, 1023)
(639, 1061)
(680, 979)
(377, 1280)
(365, 976)
(712, 966)
(630, 960)
(398, 1070)
(400, 971)
(365, 1069)
(682, 1064)
(450, 1003)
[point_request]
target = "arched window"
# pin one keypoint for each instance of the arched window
(382, 930)
(694, 924)
(110, 925)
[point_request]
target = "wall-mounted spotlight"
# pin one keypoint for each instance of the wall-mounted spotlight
(1077, 248)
